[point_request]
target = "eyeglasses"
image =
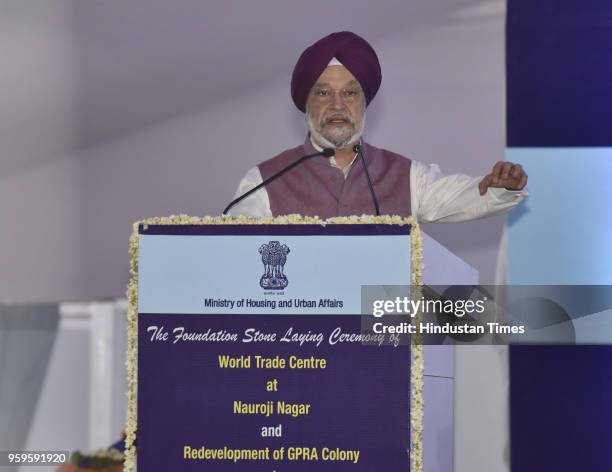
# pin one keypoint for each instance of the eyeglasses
(327, 95)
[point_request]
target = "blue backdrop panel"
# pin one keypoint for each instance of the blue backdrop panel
(562, 234)
(561, 417)
(559, 71)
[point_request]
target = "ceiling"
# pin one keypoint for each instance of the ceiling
(81, 73)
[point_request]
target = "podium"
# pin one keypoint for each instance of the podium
(441, 268)
(246, 350)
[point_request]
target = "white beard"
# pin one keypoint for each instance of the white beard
(324, 142)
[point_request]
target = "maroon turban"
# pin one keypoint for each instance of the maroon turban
(354, 52)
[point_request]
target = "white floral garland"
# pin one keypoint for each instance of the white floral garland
(110, 454)
(416, 359)
(416, 381)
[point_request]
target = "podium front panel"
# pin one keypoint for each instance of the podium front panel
(250, 350)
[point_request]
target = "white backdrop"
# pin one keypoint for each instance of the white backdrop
(113, 113)
(70, 212)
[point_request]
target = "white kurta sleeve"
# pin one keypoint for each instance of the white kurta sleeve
(256, 205)
(441, 199)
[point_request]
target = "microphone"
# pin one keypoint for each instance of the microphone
(327, 152)
(358, 149)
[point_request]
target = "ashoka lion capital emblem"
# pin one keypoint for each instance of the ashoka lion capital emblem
(273, 256)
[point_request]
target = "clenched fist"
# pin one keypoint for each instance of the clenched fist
(504, 175)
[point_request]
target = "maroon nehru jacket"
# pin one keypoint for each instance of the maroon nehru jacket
(315, 188)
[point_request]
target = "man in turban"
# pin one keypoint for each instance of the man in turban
(333, 82)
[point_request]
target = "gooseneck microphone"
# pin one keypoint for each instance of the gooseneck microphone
(327, 152)
(358, 149)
